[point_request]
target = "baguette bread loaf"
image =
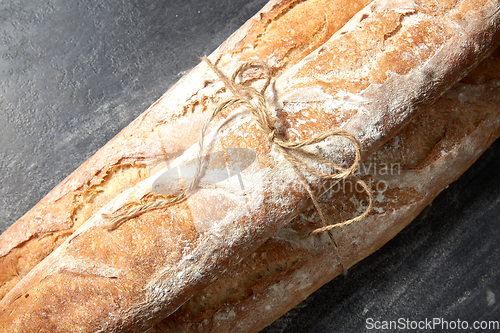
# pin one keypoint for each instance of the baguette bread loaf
(369, 143)
(406, 174)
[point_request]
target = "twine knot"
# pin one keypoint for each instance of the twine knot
(244, 94)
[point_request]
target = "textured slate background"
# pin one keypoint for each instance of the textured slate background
(73, 73)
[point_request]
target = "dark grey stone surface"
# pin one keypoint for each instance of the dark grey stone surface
(73, 73)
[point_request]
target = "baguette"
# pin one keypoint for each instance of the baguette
(408, 171)
(366, 142)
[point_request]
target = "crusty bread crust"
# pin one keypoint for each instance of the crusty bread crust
(100, 270)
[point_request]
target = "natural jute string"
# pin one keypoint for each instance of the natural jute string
(254, 100)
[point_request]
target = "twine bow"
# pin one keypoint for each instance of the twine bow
(248, 96)
(245, 95)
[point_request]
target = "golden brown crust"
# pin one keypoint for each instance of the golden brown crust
(106, 266)
(438, 58)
